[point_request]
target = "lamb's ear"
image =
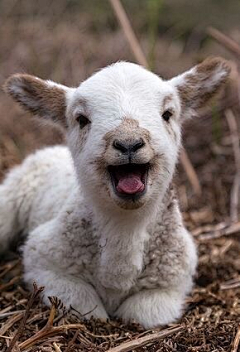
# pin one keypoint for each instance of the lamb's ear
(200, 84)
(43, 98)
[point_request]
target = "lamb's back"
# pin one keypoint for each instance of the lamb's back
(47, 179)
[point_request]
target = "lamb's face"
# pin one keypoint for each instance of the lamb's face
(123, 125)
(124, 134)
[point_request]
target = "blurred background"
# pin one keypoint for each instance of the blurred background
(68, 40)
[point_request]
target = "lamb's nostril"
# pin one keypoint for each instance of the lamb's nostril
(137, 145)
(128, 148)
(123, 147)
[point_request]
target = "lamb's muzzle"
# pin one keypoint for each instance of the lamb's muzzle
(129, 172)
(102, 222)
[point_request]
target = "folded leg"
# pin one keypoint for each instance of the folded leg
(152, 308)
(48, 262)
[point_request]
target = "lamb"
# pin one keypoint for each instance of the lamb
(102, 223)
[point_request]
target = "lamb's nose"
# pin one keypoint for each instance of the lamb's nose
(127, 148)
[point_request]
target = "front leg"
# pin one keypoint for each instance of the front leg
(73, 292)
(52, 261)
(173, 269)
(152, 308)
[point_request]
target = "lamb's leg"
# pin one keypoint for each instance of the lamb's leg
(152, 308)
(48, 261)
(71, 291)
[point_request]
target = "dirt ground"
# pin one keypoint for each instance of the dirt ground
(55, 44)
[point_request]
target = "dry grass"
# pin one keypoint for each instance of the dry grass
(65, 44)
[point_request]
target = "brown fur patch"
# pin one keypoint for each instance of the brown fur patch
(36, 96)
(128, 130)
(196, 92)
(171, 131)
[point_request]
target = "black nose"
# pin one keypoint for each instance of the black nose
(127, 148)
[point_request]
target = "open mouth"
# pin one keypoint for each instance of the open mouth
(129, 180)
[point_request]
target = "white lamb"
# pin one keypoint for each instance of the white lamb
(104, 230)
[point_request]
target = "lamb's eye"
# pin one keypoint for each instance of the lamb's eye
(166, 115)
(82, 120)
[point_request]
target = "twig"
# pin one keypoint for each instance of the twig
(143, 341)
(209, 229)
(191, 174)
(36, 292)
(8, 267)
(230, 284)
(6, 337)
(236, 341)
(10, 283)
(85, 342)
(49, 330)
(231, 120)
(79, 313)
(219, 230)
(104, 337)
(128, 31)
(141, 59)
(71, 342)
(4, 315)
(56, 347)
(226, 41)
(10, 323)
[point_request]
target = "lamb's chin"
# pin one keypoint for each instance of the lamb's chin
(128, 202)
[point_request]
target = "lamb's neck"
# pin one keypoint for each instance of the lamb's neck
(126, 222)
(122, 239)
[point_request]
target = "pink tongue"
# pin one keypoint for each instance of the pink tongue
(130, 184)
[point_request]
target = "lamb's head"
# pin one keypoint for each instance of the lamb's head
(123, 125)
